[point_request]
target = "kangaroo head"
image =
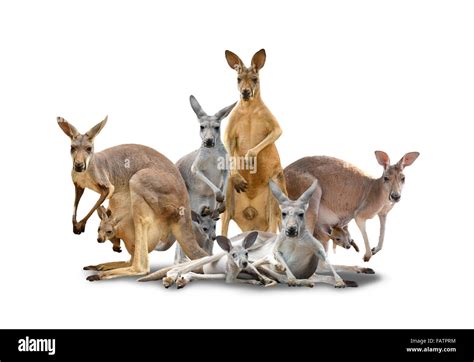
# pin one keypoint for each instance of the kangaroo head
(247, 78)
(205, 225)
(238, 255)
(393, 177)
(210, 125)
(340, 235)
(293, 212)
(108, 225)
(82, 145)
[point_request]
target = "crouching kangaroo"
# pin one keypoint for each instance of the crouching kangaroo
(204, 171)
(115, 229)
(345, 192)
(138, 181)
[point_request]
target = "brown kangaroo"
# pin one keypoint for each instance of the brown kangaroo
(345, 192)
(140, 182)
(250, 141)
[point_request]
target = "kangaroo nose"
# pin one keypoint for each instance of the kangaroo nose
(246, 93)
(395, 196)
(99, 240)
(244, 264)
(292, 231)
(209, 142)
(79, 166)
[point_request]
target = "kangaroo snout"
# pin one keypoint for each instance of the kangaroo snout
(209, 142)
(100, 240)
(395, 196)
(79, 166)
(291, 231)
(246, 93)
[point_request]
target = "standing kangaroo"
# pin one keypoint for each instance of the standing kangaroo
(345, 192)
(250, 136)
(138, 181)
(204, 171)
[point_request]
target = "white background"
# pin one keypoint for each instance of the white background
(343, 78)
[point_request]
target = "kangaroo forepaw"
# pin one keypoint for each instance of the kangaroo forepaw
(375, 250)
(90, 267)
(78, 227)
(240, 184)
(220, 196)
(367, 256)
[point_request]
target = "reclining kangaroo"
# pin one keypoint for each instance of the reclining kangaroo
(138, 181)
(345, 192)
(250, 136)
(204, 171)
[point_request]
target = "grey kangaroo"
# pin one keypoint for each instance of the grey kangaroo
(204, 171)
(345, 192)
(140, 182)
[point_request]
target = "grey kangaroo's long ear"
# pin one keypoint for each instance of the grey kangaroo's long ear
(408, 159)
(304, 198)
(196, 107)
(234, 61)
(195, 217)
(250, 239)
(258, 60)
(67, 128)
(94, 131)
(224, 112)
(279, 195)
(382, 159)
(224, 243)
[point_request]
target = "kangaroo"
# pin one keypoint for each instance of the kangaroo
(113, 229)
(205, 171)
(345, 192)
(294, 252)
(138, 181)
(108, 228)
(250, 136)
(229, 266)
(339, 234)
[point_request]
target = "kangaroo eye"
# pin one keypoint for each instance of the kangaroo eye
(300, 214)
(234, 255)
(284, 214)
(246, 255)
(239, 80)
(205, 230)
(255, 80)
(89, 149)
(202, 128)
(403, 178)
(216, 128)
(338, 239)
(109, 232)
(386, 178)
(73, 148)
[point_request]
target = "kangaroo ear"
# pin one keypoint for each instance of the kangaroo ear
(279, 195)
(224, 112)
(67, 128)
(382, 159)
(250, 239)
(224, 243)
(195, 217)
(408, 159)
(258, 60)
(304, 198)
(327, 229)
(101, 212)
(94, 131)
(196, 107)
(234, 61)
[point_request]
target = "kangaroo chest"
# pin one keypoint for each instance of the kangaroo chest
(300, 257)
(248, 128)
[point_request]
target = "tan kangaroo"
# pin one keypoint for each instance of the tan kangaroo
(250, 136)
(140, 182)
(345, 192)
